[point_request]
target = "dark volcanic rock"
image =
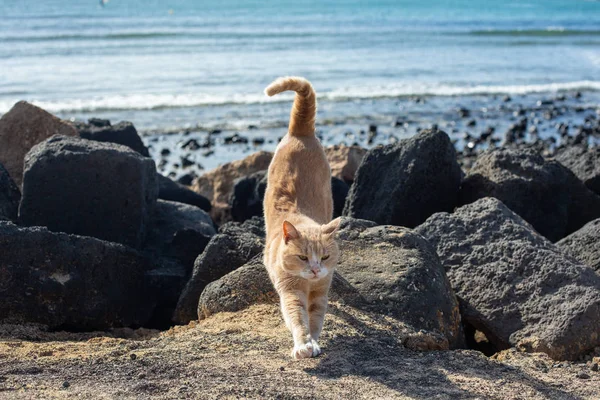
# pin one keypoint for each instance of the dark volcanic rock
(230, 249)
(239, 289)
(339, 191)
(70, 282)
(78, 186)
(180, 231)
(514, 285)
(585, 164)
(396, 272)
(545, 193)
(247, 196)
(584, 244)
(9, 196)
(122, 133)
(404, 183)
(170, 190)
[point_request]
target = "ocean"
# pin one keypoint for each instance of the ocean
(191, 65)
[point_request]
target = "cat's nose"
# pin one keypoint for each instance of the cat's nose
(315, 270)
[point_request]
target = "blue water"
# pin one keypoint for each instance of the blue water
(184, 63)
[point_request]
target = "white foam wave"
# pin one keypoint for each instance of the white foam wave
(157, 101)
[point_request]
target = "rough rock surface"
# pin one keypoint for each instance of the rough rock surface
(234, 246)
(544, 193)
(585, 164)
(79, 186)
(584, 244)
(173, 191)
(397, 273)
(21, 128)
(217, 185)
(123, 133)
(239, 289)
(9, 196)
(179, 231)
(344, 161)
(71, 282)
(385, 269)
(404, 183)
(513, 284)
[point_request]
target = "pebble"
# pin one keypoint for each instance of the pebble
(66, 384)
(282, 369)
(133, 356)
(594, 367)
(583, 375)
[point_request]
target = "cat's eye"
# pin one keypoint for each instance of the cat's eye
(325, 257)
(303, 258)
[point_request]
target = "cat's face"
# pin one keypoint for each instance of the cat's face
(312, 253)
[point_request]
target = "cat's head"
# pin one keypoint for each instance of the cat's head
(310, 253)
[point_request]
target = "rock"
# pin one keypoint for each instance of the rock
(123, 133)
(24, 126)
(173, 191)
(70, 282)
(339, 191)
(385, 269)
(239, 289)
(217, 185)
(89, 188)
(404, 183)
(344, 161)
(585, 164)
(9, 196)
(230, 249)
(514, 285)
(545, 193)
(247, 196)
(584, 244)
(179, 231)
(167, 279)
(397, 273)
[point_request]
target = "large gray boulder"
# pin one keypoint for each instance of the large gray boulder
(78, 186)
(404, 183)
(70, 282)
(545, 193)
(585, 164)
(385, 269)
(9, 196)
(231, 248)
(584, 244)
(513, 284)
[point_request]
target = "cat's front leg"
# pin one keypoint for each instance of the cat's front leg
(316, 314)
(294, 309)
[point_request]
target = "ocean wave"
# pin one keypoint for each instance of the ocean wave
(550, 31)
(164, 101)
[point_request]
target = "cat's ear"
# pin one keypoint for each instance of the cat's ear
(289, 232)
(332, 227)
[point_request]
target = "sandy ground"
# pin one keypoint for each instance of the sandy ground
(246, 355)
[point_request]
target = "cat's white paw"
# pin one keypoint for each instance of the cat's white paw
(316, 348)
(303, 351)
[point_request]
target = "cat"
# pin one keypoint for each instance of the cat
(300, 249)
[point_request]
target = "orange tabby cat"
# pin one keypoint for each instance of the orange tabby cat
(300, 251)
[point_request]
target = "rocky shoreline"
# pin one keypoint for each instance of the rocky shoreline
(451, 252)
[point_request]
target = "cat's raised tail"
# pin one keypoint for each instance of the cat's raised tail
(302, 117)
